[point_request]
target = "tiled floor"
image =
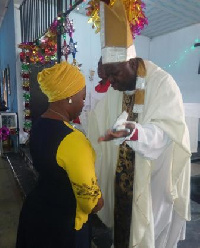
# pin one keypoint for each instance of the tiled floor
(10, 205)
(11, 201)
(193, 227)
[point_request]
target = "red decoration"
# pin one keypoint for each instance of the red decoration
(77, 121)
(102, 88)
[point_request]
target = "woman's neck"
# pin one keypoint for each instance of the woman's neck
(55, 114)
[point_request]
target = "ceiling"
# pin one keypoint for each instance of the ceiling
(164, 16)
(4, 6)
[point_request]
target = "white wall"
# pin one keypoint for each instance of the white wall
(88, 44)
(166, 49)
(142, 45)
(20, 99)
(170, 48)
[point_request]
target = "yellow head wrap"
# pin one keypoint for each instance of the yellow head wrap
(61, 81)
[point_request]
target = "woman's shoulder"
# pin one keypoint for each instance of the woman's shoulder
(50, 129)
(48, 123)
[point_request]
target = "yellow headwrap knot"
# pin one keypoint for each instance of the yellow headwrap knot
(61, 81)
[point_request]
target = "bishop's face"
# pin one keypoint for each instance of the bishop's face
(122, 75)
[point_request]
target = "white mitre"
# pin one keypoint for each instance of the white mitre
(116, 38)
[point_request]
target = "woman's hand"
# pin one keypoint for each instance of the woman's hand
(99, 206)
(110, 135)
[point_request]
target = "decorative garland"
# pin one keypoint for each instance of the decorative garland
(93, 12)
(134, 10)
(70, 48)
(43, 51)
(25, 75)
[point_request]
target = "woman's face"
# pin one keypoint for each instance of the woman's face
(77, 104)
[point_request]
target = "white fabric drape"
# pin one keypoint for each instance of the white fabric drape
(155, 201)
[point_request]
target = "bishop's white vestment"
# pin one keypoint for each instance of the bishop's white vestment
(161, 190)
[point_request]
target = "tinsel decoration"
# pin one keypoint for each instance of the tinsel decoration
(134, 10)
(93, 11)
(71, 47)
(25, 75)
(69, 27)
(44, 49)
(4, 133)
(65, 48)
(76, 64)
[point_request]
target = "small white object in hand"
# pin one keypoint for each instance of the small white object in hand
(119, 125)
(120, 122)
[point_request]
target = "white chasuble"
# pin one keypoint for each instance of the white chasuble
(161, 190)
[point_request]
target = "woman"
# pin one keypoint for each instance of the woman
(55, 213)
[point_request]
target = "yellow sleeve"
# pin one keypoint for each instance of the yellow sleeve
(77, 157)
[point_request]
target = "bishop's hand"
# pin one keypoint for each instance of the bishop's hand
(112, 134)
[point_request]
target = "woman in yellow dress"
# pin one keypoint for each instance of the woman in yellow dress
(55, 213)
